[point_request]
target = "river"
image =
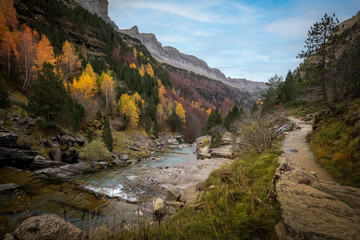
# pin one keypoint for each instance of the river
(89, 200)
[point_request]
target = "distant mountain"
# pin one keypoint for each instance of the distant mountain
(172, 56)
(246, 85)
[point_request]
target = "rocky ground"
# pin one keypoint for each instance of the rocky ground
(313, 205)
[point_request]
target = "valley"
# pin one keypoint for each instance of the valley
(107, 134)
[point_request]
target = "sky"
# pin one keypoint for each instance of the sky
(244, 39)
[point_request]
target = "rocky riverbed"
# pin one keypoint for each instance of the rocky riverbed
(115, 193)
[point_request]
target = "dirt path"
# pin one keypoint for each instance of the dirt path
(296, 140)
(313, 205)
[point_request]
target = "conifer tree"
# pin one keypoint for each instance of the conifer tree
(48, 98)
(107, 136)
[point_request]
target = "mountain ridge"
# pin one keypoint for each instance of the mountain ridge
(171, 55)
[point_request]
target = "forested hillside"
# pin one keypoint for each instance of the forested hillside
(100, 68)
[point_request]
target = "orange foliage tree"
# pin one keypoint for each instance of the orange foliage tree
(9, 13)
(8, 49)
(27, 54)
(44, 52)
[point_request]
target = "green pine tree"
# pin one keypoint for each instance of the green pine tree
(107, 136)
(49, 98)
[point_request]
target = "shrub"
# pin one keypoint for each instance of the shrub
(256, 134)
(94, 151)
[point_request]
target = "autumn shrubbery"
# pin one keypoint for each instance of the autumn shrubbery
(335, 144)
(96, 150)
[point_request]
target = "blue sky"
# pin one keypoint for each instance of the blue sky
(244, 39)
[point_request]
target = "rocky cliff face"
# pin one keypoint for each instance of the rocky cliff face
(246, 85)
(173, 57)
(98, 7)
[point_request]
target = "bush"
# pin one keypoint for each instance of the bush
(216, 140)
(256, 134)
(94, 151)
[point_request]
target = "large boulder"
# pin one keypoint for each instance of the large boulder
(159, 208)
(16, 157)
(47, 227)
(282, 129)
(8, 187)
(54, 173)
(68, 140)
(173, 194)
(314, 209)
(41, 162)
(70, 156)
(8, 139)
(55, 153)
(80, 140)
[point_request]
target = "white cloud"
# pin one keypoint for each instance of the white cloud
(294, 27)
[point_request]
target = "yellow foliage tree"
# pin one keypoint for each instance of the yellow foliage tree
(85, 86)
(138, 98)
(180, 112)
(129, 110)
(69, 59)
(161, 116)
(149, 70)
(135, 52)
(44, 52)
(209, 111)
(107, 88)
(142, 70)
(141, 54)
(89, 70)
(132, 65)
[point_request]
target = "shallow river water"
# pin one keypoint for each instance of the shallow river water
(88, 200)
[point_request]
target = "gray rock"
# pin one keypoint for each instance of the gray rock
(55, 154)
(294, 150)
(77, 168)
(173, 194)
(80, 140)
(8, 139)
(68, 140)
(55, 173)
(159, 208)
(313, 209)
(9, 237)
(41, 162)
(16, 157)
(223, 151)
(283, 128)
(46, 227)
(70, 156)
(8, 187)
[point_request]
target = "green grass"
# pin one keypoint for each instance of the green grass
(239, 206)
(336, 147)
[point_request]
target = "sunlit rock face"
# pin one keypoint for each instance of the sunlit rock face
(173, 57)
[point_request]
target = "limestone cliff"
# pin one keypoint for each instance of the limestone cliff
(173, 57)
(98, 7)
(246, 85)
